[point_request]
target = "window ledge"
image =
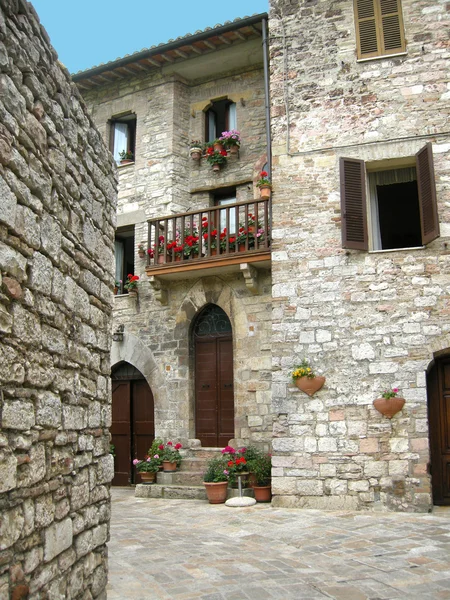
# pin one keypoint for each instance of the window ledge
(130, 164)
(397, 250)
(363, 60)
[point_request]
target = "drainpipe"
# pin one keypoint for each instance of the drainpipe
(267, 106)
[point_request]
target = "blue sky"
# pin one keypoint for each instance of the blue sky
(89, 32)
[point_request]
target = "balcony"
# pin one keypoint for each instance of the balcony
(226, 238)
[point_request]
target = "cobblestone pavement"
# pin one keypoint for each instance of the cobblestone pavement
(183, 549)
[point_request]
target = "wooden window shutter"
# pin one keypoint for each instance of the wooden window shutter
(353, 204)
(379, 27)
(427, 194)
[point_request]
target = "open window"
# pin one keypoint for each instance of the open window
(222, 198)
(221, 116)
(124, 255)
(379, 28)
(399, 203)
(123, 137)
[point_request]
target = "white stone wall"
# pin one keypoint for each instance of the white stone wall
(57, 216)
(367, 321)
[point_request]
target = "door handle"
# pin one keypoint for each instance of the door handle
(227, 385)
(205, 386)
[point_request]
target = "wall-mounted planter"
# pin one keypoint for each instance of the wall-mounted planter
(196, 153)
(310, 385)
(389, 406)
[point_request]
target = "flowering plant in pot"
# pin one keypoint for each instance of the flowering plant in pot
(117, 286)
(390, 403)
(223, 241)
(261, 468)
(210, 241)
(264, 184)
(305, 378)
(131, 283)
(236, 465)
(191, 245)
(142, 249)
(216, 158)
(215, 480)
(231, 140)
(196, 149)
(170, 454)
(126, 157)
(147, 467)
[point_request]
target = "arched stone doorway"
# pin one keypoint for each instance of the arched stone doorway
(212, 342)
(133, 420)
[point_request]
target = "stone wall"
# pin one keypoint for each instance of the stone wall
(366, 320)
(57, 217)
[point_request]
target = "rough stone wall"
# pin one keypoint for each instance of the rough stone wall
(366, 320)
(165, 180)
(57, 216)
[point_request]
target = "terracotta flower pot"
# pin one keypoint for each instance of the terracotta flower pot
(141, 253)
(263, 493)
(116, 289)
(389, 406)
(241, 247)
(126, 161)
(169, 467)
(148, 477)
(218, 147)
(178, 257)
(213, 251)
(196, 153)
(216, 167)
(265, 191)
(310, 385)
(216, 492)
(161, 259)
(233, 149)
(132, 293)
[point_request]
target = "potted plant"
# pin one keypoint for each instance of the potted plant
(141, 249)
(171, 457)
(196, 149)
(264, 185)
(147, 468)
(215, 480)
(262, 469)
(236, 464)
(305, 378)
(178, 250)
(217, 145)
(211, 241)
(223, 241)
(131, 284)
(389, 404)
(117, 286)
(231, 140)
(126, 157)
(216, 158)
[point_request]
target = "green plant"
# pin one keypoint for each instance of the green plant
(131, 282)
(112, 450)
(216, 470)
(230, 138)
(263, 180)
(170, 452)
(216, 157)
(261, 467)
(196, 144)
(126, 155)
(388, 394)
(147, 465)
(303, 370)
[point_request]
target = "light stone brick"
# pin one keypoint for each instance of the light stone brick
(57, 538)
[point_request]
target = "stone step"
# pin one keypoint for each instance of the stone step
(180, 478)
(204, 453)
(181, 492)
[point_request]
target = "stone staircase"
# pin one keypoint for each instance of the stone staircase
(187, 482)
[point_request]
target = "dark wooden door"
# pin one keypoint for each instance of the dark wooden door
(214, 406)
(438, 385)
(133, 426)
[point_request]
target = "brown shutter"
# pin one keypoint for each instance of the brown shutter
(393, 38)
(366, 29)
(427, 194)
(379, 27)
(353, 204)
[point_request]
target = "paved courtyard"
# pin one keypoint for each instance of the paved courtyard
(184, 549)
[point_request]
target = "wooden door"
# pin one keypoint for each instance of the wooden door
(121, 431)
(133, 426)
(438, 385)
(214, 406)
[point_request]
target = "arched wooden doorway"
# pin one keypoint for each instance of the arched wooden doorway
(214, 394)
(438, 388)
(133, 420)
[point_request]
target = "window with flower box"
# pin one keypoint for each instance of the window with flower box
(122, 141)
(221, 116)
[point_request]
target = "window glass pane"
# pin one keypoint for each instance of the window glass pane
(223, 215)
(232, 123)
(211, 126)
(118, 253)
(120, 139)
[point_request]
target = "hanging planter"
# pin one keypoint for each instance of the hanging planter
(265, 191)
(264, 185)
(216, 167)
(389, 404)
(306, 380)
(196, 149)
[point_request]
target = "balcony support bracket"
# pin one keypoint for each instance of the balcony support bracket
(159, 290)
(250, 274)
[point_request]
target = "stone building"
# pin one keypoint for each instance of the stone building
(209, 308)
(57, 218)
(358, 236)
(361, 155)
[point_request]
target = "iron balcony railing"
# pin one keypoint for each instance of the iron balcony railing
(209, 233)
